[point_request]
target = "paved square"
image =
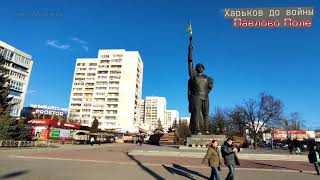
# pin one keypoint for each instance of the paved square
(112, 161)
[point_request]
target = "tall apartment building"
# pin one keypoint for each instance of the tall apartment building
(155, 110)
(170, 118)
(108, 88)
(19, 65)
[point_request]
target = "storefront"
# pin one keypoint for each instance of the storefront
(282, 135)
(44, 129)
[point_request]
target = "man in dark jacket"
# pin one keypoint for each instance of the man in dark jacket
(141, 139)
(314, 157)
(230, 158)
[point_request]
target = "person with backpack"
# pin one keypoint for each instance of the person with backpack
(314, 157)
(230, 157)
(212, 159)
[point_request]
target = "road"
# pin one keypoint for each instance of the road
(112, 161)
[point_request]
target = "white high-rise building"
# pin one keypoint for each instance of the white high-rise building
(19, 65)
(108, 88)
(155, 110)
(171, 117)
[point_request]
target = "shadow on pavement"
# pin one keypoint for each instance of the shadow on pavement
(14, 174)
(149, 171)
(276, 166)
(178, 172)
(177, 166)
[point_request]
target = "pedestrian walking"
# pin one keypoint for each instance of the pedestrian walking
(290, 146)
(138, 139)
(298, 150)
(141, 140)
(314, 158)
(91, 141)
(229, 154)
(63, 140)
(213, 160)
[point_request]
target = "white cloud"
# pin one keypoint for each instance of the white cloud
(78, 40)
(56, 44)
(31, 91)
(81, 42)
(86, 48)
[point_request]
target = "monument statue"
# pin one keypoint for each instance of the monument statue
(199, 87)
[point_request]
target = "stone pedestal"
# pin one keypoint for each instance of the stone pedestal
(204, 140)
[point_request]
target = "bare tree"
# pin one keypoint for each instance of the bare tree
(293, 122)
(267, 111)
(219, 122)
(296, 122)
(236, 123)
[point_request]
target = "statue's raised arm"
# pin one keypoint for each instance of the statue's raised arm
(190, 64)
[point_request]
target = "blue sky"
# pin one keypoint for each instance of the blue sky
(243, 62)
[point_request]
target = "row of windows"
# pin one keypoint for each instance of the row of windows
(95, 105)
(78, 84)
(84, 64)
(105, 56)
(15, 74)
(90, 78)
(17, 86)
(103, 66)
(7, 54)
(16, 101)
(97, 116)
(15, 83)
(102, 83)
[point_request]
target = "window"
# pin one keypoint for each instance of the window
(77, 94)
(101, 88)
(104, 56)
(110, 118)
(102, 83)
(114, 88)
(112, 99)
(118, 55)
(91, 74)
(116, 60)
(114, 82)
(102, 72)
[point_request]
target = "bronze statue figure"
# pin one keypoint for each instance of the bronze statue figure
(199, 87)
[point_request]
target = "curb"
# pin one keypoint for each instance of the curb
(271, 157)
